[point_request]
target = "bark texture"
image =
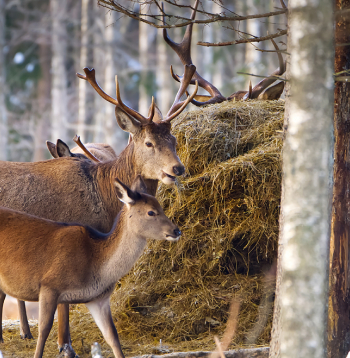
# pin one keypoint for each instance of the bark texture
(275, 342)
(339, 299)
(307, 168)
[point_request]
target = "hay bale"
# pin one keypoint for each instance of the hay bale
(227, 206)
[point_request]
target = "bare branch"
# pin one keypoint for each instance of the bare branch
(251, 74)
(155, 20)
(243, 41)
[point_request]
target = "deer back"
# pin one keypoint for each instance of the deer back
(102, 151)
(92, 260)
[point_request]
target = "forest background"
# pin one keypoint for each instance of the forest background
(44, 44)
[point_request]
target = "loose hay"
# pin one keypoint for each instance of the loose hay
(227, 207)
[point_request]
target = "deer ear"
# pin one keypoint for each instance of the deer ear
(273, 92)
(52, 148)
(62, 149)
(124, 193)
(126, 122)
(139, 185)
(158, 117)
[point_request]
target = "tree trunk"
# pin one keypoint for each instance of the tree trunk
(83, 63)
(109, 82)
(252, 57)
(143, 49)
(164, 81)
(339, 300)
(42, 121)
(59, 74)
(3, 112)
(307, 168)
(99, 52)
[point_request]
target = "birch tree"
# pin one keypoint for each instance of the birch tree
(59, 76)
(83, 63)
(3, 114)
(307, 168)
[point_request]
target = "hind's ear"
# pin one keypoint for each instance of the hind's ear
(273, 92)
(62, 149)
(139, 185)
(52, 148)
(124, 193)
(126, 122)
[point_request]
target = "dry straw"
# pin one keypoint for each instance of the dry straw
(227, 206)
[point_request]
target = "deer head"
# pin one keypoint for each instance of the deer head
(260, 91)
(61, 149)
(145, 216)
(154, 148)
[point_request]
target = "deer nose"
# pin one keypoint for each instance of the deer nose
(177, 232)
(178, 169)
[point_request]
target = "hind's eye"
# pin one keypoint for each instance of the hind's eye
(149, 144)
(151, 213)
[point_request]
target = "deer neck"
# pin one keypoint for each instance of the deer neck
(119, 251)
(125, 169)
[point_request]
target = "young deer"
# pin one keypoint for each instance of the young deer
(71, 263)
(97, 152)
(261, 91)
(81, 191)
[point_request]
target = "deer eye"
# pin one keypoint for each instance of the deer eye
(151, 213)
(149, 144)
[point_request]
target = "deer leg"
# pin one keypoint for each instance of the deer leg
(2, 299)
(47, 308)
(101, 312)
(64, 341)
(24, 325)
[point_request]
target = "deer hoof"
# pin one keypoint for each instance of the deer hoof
(67, 351)
(26, 335)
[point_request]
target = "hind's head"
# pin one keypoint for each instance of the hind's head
(143, 215)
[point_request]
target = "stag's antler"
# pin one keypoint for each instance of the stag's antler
(266, 82)
(77, 140)
(183, 50)
(90, 77)
(178, 106)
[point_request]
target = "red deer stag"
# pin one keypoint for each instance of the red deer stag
(47, 252)
(81, 191)
(97, 152)
(260, 91)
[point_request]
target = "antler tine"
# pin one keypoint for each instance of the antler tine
(182, 105)
(248, 95)
(76, 139)
(183, 50)
(266, 82)
(90, 77)
(178, 106)
(152, 110)
(143, 120)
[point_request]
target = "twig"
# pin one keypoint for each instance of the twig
(342, 79)
(255, 39)
(218, 345)
(281, 51)
(114, 5)
(251, 74)
(229, 331)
